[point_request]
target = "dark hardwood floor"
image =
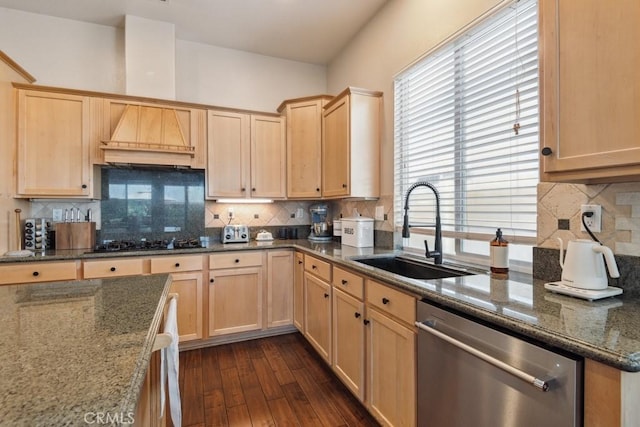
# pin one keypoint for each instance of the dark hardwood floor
(275, 381)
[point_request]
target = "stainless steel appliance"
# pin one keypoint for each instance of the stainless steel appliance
(235, 234)
(470, 374)
(321, 225)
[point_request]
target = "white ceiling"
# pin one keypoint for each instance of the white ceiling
(301, 30)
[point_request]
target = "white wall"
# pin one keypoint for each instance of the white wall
(62, 52)
(232, 78)
(72, 54)
(401, 32)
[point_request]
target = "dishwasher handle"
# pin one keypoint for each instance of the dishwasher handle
(540, 384)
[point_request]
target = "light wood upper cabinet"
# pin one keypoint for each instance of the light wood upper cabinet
(53, 145)
(304, 146)
(590, 90)
(351, 145)
(150, 133)
(246, 155)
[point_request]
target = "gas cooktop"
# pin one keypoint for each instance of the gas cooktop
(146, 245)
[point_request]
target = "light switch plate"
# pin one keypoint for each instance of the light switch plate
(57, 215)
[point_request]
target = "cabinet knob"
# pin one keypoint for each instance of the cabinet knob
(212, 280)
(237, 260)
(177, 264)
(356, 314)
(299, 262)
(253, 189)
(366, 322)
(344, 185)
(385, 301)
(314, 267)
(112, 269)
(84, 185)
(344, 282)
(318, 190)
(36, 274)
(243, 189)
(546, 151)
(326, 295)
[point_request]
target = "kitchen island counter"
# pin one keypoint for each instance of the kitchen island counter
(77, 352)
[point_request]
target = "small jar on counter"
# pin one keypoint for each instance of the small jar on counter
(499, 251)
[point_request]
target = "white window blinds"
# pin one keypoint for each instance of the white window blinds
(466, 120)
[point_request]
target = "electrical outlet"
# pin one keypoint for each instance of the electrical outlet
(230, 214)
(594, 222)
(299, 213)
(379, 214)
(57, 215)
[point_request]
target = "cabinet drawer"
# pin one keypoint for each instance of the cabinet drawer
(112, 268)
(322, 269)
(391, 301)
(33, 272)
(174, 264)
(236, 259)
(348, 282)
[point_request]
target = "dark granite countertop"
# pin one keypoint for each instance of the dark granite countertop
(607, 330)
(73, 350)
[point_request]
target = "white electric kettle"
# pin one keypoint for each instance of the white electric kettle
(583, 265)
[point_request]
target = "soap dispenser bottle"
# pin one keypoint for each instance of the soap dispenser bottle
(499, 254)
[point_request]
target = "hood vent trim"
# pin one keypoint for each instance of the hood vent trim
(148, 135)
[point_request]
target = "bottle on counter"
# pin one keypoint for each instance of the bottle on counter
(499, 250)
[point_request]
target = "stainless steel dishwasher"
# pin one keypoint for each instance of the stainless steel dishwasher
(470, 374)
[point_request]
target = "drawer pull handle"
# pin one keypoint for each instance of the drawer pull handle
(84, 185)
(36, 274)
(177, 264)
(344, 282)
(385, 301)
(112, 269)
(326, 295)
(357, 314)
(237, 260)
(212, 280)
(366, 322)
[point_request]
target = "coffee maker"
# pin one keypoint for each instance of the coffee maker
(321, 226)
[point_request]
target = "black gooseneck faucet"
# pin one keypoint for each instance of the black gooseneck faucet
(437, 253)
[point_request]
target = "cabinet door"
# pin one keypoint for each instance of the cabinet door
(591, 91)
(304, 142)
(391, 366)
(348, 341)
(298, 292)
(228, 154)
(268, 157)
(279, 288)
(318, 315)
(336, 150)
(188, 286)
(235, 300)
(53, 144)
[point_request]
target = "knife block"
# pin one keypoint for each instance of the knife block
(75, 235)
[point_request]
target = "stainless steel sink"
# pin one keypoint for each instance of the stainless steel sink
(411, 268)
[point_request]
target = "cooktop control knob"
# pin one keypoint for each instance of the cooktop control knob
(244, 236)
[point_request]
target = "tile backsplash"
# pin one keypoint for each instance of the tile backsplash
(620, 214)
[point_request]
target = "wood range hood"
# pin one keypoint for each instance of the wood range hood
(148, 135)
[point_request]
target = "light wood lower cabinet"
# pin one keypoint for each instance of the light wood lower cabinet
(348, 341)
(279, 288)
(298, 292)
(35, 272)
(610, 396)
(235, 294)
(113, 267)
(187, 282)
(317, 310)
(148, 410)
(391, 370)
